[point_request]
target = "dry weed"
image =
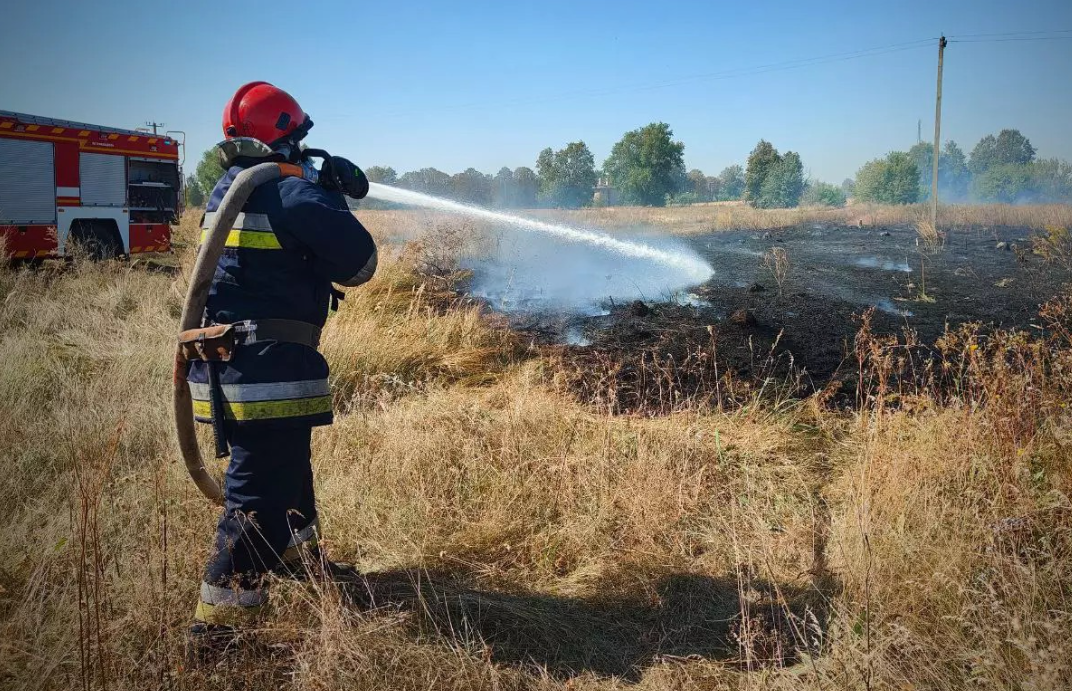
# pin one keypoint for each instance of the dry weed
(776, 261)
(1054, 244)
(930, 239)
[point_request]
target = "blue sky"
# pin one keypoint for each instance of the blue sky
(487, 84)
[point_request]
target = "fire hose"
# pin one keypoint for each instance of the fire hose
(194, 307)
(337, 174)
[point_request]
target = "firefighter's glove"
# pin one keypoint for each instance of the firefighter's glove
(339, 174)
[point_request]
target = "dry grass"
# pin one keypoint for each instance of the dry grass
(1054, 244)
(517, 539)
(702, 218)
(929, 237)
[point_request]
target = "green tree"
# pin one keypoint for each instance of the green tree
(208, 172)
(647, 165)
(848, 186)
(567, 176)
(472, 187)
(1010, 146)
(760, 162)
(385, 175)
(545, 170)
(504, 193)
(823, 194)
(1004, 183)
(953, 175)
(890, 180)
(1051, 181)
(526, 187)
(194, 195)
(731, 183)
(427, 180)
(783, 185)
(1047, 181)
(922, 154)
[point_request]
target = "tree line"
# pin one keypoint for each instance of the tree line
(1001, 168)
(646, 168)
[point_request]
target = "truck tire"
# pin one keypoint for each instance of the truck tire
(98, 238)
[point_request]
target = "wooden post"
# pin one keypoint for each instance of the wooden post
(937, 136)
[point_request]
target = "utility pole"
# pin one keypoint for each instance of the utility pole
(154, 125)
(919, 130)
(937, 135)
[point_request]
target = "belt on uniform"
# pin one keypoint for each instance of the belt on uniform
(285, 330)
(218, 342)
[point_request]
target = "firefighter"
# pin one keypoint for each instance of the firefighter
(292, 241)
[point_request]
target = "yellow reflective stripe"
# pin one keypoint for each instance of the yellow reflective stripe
(227, 615)
(249, 239)
(267, 410)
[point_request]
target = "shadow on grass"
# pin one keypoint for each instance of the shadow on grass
(677, 616)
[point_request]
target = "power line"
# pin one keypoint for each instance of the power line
(1014, 33)
(1005, 40)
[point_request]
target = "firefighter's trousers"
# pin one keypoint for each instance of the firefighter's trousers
(269, 521)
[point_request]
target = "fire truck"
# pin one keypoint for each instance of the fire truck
(111, 191)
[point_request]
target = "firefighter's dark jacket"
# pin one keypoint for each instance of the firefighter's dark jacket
(291, 242)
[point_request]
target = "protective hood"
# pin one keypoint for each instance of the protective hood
(229, 150)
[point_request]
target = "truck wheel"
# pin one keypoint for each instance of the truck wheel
(98, 239)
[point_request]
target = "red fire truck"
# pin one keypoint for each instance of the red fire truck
(63, 183)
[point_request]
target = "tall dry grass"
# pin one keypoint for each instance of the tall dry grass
(702, 218)
(515, 538)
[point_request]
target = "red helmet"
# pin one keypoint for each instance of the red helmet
(264, 112)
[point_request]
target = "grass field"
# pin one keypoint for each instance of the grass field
(701, 218)
(517, 539)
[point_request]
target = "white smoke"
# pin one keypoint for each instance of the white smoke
(535, 266)
(529, 272)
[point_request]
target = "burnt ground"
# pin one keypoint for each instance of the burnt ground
(805, 328)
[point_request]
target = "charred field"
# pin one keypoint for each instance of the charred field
(785, 307)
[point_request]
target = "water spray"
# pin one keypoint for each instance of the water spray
(693, 268)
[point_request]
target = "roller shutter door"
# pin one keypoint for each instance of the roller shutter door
(102, 179)
(27, 182)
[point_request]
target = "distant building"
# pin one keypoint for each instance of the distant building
(605, 195)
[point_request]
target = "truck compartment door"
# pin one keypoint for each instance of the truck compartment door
(102, 179)
(27, 182)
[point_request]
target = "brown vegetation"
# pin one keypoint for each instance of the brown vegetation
(1054, 244)
(517, 538)
(703, 218)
